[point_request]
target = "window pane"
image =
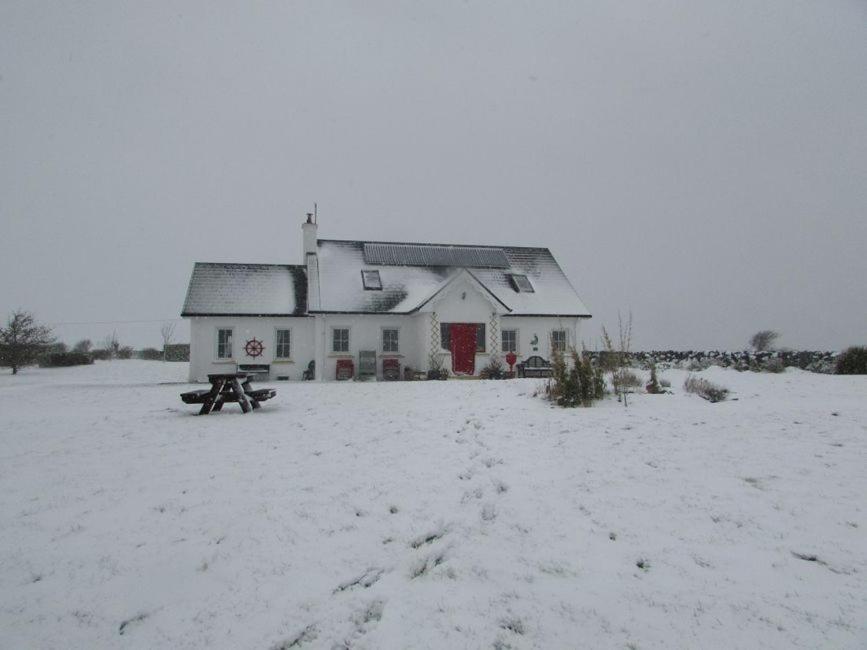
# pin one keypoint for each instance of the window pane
(283, 350)
(558, 340)
(521, 283)
(340, 341)
(445, 336)
(224, 344)
(510, 341)
(480, 337)
(390, 340)
(371, 280)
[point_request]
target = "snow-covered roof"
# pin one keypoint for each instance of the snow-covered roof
(408, 287)
(218, 289)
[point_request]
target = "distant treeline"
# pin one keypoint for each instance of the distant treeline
(59, 355)
(815, 361)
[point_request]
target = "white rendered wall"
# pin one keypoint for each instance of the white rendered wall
(203, 345)
(541, 327)
(365, 333)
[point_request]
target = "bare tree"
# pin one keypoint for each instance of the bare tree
(83, 346)
(167, 331)
(22, 340)
(618, 356)
(111, 344)
(764, 340)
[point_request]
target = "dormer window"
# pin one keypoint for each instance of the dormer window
(521, 283)
(371, 280)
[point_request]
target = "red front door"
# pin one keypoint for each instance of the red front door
(463, 344)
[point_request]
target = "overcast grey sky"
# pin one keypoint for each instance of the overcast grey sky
(702, 162)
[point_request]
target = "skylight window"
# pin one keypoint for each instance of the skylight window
(371, 280)
(521, 283)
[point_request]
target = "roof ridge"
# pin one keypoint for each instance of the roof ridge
(415, 243)
(300, 266)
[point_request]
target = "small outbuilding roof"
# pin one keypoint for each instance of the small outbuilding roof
(227, 289)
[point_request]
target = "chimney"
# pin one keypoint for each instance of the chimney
(311, 260)
(308, 228)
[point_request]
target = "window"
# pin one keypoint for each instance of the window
(510, 341)
(521, 283)
(340, 339)
(371, 280)
(224, 343)
(282, 349)
(480, 337)
(558, 341)
(390, 340)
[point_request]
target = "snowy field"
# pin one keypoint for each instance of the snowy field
(459, 514)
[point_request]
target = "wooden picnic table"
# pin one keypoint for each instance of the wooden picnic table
(228, 387)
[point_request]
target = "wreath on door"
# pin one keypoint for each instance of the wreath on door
(254, 347)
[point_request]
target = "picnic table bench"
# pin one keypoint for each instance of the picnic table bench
(228, 387)
(534, 366)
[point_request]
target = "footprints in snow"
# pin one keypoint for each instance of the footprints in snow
(365, 580)
(430, 551)
(488, 512)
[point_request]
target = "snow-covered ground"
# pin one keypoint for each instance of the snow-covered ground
(459, 514)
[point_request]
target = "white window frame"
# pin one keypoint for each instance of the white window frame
(364, 282)
(516, 283)
(277, 331)
(348, 339)
(565, 339)
(231, 355)
(509, 329)
(382, 339)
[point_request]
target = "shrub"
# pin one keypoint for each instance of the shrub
(703, 388)
(437, 370)
(100, 355)
(624, 379)
(125, 352)
(575, 384)
(177, 352)
(697, 365)
(852, 361)
(653, 386)
(150, 354)
(83, 346)
(774, 365)
(63, 359)
(494, 370)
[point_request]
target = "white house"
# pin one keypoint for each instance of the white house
(405, 305)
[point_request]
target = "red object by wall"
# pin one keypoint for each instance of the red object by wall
(391, 369)
(463, 338)
(511, 359)
(345, 369)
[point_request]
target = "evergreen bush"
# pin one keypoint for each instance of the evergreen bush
(494, 370)
(64, 359)
(653, 386)
(852, 361)
(573, 384)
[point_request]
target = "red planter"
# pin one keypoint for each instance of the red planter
(345, 369)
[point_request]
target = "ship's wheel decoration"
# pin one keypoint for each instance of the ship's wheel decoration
(254, 347)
